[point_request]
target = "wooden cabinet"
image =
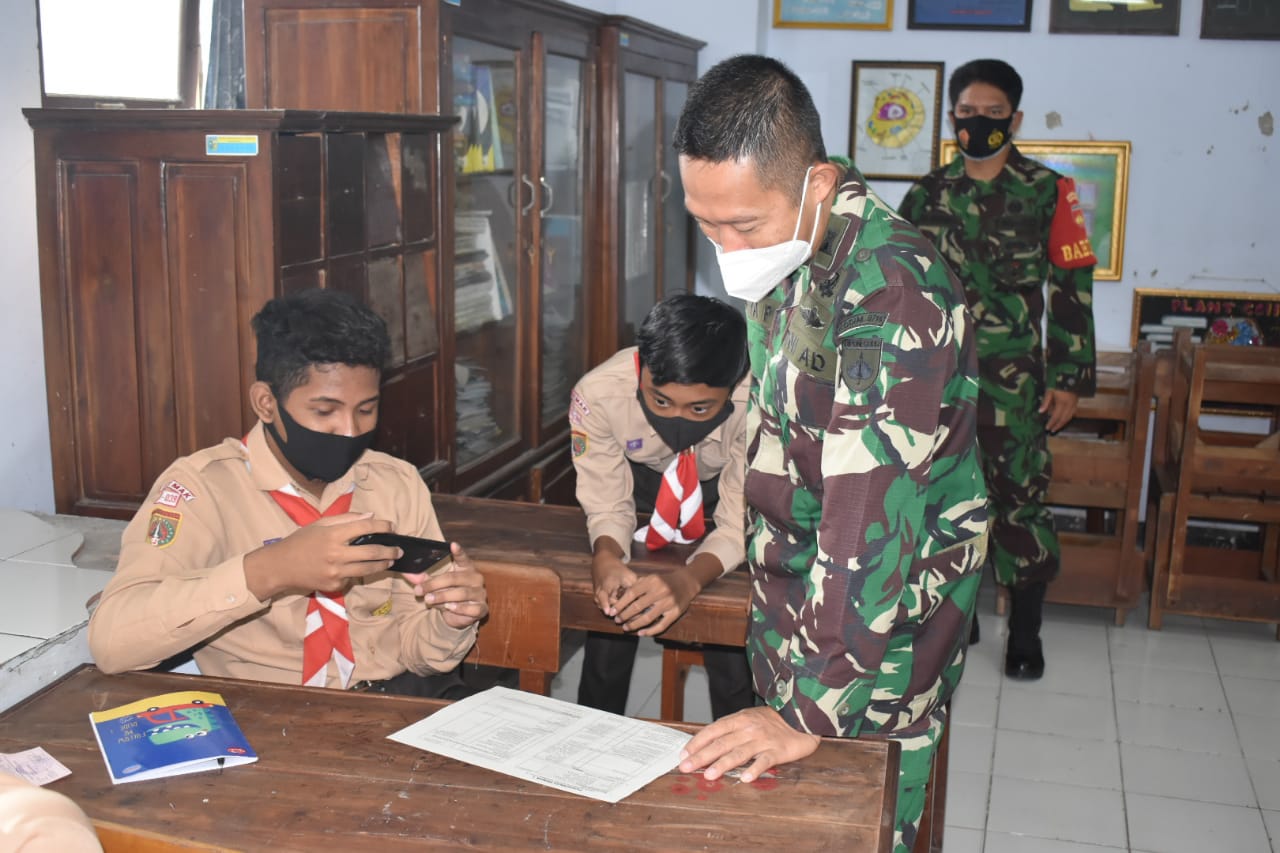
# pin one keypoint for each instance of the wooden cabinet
(647, 249)
(365, 55)
(509, 256)
(162, 232)
(521, 76)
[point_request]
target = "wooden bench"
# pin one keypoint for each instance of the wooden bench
(1098, 462)
(1205, 474)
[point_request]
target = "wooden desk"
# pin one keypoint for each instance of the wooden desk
(327, 778)
(555, 537)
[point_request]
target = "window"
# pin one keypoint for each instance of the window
(134, 53)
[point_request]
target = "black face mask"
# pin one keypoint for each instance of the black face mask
(987, 136)
(680, 433)
(318, 455)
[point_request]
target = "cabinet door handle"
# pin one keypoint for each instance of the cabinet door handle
(551, 196)
(511, 194)
(533, 194)
(665, 180)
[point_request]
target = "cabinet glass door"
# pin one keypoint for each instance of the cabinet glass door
(563, 187)
(639, 215)
(676, 224)
(486, 263)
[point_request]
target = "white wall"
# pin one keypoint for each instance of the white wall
(1204, 184)
(26, 473)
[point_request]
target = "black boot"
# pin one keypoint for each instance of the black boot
(1024, 654)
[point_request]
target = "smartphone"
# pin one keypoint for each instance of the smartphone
(421, 556)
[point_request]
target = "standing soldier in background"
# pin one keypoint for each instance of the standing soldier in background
(866, 511)
(1005, 224)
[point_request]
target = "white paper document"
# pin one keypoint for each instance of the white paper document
(35, 765)
(539, 739)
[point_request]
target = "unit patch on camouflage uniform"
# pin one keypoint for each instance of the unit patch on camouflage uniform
(860, 362)
(162, 529)
(578, 441)
(863, 320)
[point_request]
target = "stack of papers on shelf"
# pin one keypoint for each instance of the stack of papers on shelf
(477, 431)
(480, 289)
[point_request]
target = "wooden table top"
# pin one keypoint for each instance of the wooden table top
(328, 778)
(556, 537)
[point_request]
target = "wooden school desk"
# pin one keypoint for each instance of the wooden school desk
(555, 537)
(328, 778)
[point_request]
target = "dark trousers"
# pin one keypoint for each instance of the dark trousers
(609, 658)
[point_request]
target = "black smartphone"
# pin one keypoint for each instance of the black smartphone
(421, 556)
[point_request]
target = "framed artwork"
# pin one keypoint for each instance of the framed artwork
(1144, 17)
(1240, 19)
(894, 118)
(834, 14)
(1239, 319)
(1012, 15)
(1101, 173)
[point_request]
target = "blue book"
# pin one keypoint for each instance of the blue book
(169, 735)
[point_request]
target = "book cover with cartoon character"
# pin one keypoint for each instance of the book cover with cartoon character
(168, 735)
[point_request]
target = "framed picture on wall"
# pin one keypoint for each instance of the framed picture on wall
(1240, 19)
(894, 117)
(834, 14)
(1146, 17)
(1239, 319)
(1014, 15)
(1101, 173)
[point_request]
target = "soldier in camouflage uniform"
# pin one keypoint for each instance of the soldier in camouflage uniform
(866, 506)
(1005, 224)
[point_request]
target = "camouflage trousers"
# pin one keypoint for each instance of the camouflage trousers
(914, 767)
(1023, 545)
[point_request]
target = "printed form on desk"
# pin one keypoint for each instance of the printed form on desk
(558, 744)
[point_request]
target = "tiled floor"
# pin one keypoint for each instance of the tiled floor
(1152, 742)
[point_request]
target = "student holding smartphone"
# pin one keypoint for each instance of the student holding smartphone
(243, 554)
(660, 428)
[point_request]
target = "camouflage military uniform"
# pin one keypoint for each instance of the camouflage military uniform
(995, 235)
(867, 511)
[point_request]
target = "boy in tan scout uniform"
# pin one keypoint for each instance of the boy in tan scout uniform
(661, 428)
(241, 551)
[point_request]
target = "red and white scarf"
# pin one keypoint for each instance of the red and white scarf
(677, 511)
(328, 631)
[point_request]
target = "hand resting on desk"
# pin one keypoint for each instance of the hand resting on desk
(756, 737)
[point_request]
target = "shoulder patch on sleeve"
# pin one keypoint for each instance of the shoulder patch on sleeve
(173, 492)
(860, 363)
(163, 526)
(861, 320)
(1069, 246)
(578, 441)
(578, 408)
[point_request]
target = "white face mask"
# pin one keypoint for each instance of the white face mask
(751, 273)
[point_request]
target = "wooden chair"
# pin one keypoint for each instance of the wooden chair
(1206, 474)
(522, 630)
(1098, 465)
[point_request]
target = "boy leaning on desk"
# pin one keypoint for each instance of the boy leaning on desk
(241, 552)
(661, 428)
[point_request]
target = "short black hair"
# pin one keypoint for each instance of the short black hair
(315, 327)
(694, 340)
(993, 72)
(753, 107)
